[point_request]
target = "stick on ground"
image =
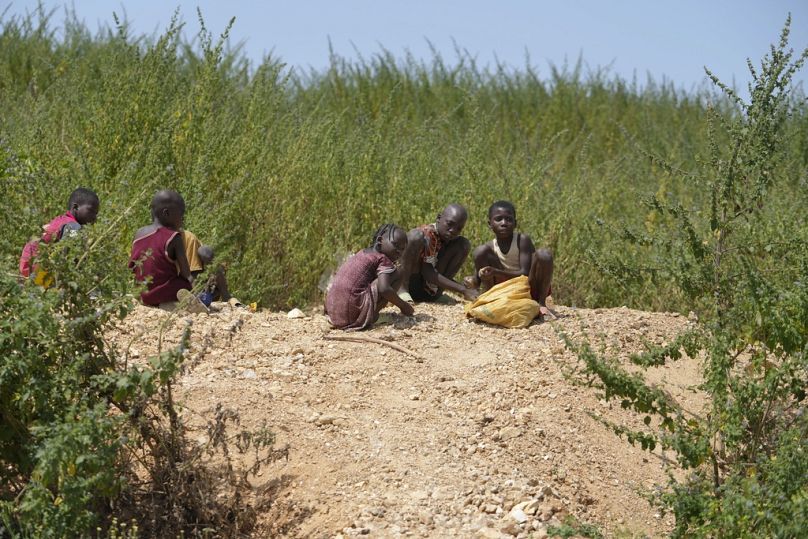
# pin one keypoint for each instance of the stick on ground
(362, 338)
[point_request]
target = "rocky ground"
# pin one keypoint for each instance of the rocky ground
(487, 434)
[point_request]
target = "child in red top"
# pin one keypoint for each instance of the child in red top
(158, 252)
(366, 281)
(82, 209)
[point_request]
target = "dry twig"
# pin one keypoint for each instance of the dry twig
(362, 338)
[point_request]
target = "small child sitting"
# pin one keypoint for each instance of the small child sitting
(158, 252)
(366, 281)
(200, 257)
(511, 254)
(82, 209)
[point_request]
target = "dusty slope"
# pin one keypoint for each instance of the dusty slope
(382, 444)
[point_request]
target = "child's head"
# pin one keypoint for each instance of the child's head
(83, 205)
(205, 253)
(502, 218)
(451, 221)
(502, 205)
(390, 240)
(168, 208)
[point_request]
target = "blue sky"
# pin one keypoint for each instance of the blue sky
(674, 40)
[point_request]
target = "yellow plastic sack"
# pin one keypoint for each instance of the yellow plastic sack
(507, 304)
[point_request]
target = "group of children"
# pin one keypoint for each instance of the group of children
(429, 257)
(397, 267)
(165, 258)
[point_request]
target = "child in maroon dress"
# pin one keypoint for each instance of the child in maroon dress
(158, 252)
(366, 281)
(82, 209)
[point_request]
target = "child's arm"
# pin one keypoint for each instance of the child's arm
(389, 292)
(432, 276)
(176, 251)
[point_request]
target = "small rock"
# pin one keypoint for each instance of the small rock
(376, 511)
(325, 419)
(415, 397)
(546, 512)
(510, 527)
(489, 533)
(540, 531)
(509, 433)
(295, 313)
(529, 507)
(249, 374)
(518, 515)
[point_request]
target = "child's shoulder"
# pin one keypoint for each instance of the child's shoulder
(145, 231)
(370, 256)
(525, 241)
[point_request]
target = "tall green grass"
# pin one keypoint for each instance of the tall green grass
(282, 170)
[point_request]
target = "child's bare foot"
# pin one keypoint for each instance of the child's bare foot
(546, 313)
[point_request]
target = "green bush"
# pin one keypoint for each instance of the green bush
(739, 256)
(85, 437)
(282, 170)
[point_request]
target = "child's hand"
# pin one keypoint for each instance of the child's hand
(486, 272)
(407, 309)
(470, 282)
(470, 294)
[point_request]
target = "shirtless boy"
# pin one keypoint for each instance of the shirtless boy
(434, 254)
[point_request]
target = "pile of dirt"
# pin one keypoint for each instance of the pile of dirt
(489, 435)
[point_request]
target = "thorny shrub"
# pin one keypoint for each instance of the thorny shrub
(744, 268)
(88, 442)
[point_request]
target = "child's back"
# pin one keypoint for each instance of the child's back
(366, 281)
(352, 299)
(155, 267)
(158, 253)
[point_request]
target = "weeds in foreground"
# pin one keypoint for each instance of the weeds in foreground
(91, 442)
(743, 265)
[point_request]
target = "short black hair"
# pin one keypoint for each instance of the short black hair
(165, 198)
(503, 204)
(82, 196)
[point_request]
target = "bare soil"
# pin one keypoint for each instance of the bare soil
(387, 445)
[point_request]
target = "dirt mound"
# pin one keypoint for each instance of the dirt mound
(488, 436)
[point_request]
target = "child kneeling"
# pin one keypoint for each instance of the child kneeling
(366, 281)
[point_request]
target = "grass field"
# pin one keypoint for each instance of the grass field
(283, 171)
